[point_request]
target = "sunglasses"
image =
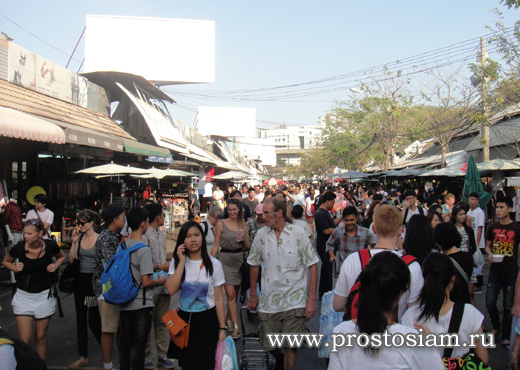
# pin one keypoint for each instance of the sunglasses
(82, 223)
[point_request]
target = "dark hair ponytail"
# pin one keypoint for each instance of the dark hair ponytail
(384, 278)
(204, 249)
(437, 272)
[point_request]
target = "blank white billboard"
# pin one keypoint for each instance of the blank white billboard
(159, 49)
(227, 121)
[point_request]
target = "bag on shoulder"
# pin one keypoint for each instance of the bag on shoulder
(468, 361)
(69, 276)
(178, 328)
(26, 357)
(351, 311)
(117, 282)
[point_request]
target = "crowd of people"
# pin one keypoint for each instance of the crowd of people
(414, 260)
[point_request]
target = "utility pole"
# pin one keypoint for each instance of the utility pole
(484, 131)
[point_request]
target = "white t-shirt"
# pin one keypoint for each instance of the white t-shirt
(309, 202)
(471, 321)
(415, 358)
(299, 199)
(199, 296)
(351, 269)
(304, 225)
(46, 216)
(478, 218)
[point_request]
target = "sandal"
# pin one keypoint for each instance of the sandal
(236, 332)
(79, 363)
(230, 326)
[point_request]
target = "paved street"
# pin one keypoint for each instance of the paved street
(63, 347)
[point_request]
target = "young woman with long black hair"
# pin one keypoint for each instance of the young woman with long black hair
(383, 281)
(436, 308)
(200, 279)
(418, 241)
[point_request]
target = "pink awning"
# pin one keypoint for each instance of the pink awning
(25, 126)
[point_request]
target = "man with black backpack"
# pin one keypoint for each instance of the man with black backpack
(410, 206)
(388, 226)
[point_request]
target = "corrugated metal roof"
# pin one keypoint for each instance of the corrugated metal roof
(503, 133)
(24, 100)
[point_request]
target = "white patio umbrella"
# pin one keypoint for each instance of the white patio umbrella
(157, 173)
(111, 169)
(231, 175)
(498, 164)
(447, 172)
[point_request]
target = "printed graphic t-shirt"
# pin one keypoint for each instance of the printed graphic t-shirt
(504, 240)
(198, 296)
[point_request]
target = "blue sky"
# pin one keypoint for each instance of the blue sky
(272, 43)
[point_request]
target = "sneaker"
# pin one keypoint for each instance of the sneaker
(166, 362)
(148, 363)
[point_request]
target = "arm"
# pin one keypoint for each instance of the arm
(329, 231)
(330, 245)
(252, 303)
(174, 281)
(10, 265)
(482, 351)
(73, 253)
(148, 282)
(246, 240)
(339, 303)
(489, 252)
(216, 245)
(479, 234)
(221, 313)
(60, 257)
(516, 304)
(513, 364)
(338, 220)
(310, 307)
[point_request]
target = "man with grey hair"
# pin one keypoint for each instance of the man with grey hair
(287, 258)
(209, 226)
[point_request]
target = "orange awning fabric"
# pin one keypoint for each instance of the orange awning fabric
(25, 126)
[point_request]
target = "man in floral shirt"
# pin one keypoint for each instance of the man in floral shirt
(287, 257)
(106, 245)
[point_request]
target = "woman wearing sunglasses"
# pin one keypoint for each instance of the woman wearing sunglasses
(34, 299)
(87, 313)
(231, 239)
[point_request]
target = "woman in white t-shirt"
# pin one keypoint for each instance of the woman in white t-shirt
(382, 282)
(436, 308)
(200, 279)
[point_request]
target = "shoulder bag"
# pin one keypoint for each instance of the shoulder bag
(178, 328)
(69, 276)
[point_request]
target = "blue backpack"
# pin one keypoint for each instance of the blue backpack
(117, 282)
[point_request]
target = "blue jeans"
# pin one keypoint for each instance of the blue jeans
(501, 281)
(135, 327)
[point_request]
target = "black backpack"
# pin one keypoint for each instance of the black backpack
(26, 357)
(421, 212)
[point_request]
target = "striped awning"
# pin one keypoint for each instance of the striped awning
(25, 126)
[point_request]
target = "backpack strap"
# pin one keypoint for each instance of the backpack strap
(364, 257)
(404, 217)
(460, 270)
(134, 248)
(455, 320)
(421, 210)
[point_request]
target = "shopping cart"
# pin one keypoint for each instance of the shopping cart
(253, 356)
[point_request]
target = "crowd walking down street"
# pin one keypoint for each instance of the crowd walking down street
(410, 273)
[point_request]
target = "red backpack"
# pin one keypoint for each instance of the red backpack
(351, 311)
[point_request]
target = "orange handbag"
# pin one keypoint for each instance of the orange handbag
(178, 328)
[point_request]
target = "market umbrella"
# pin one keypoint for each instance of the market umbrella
(473, 184)
(111, 169)
(157, 173)
(446, 172)
(350, 175)
(231, 175)
(498, 164)
(272, 181)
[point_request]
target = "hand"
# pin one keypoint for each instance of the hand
(513, 363)
(51, 268)
(75, 236)
(490, 257)
(425, 329)
(221, 336)
(332, 259)
(19, 266)
(516, 310)
(310, 308)
(252, 303)
(181, 253)
(162, 279)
